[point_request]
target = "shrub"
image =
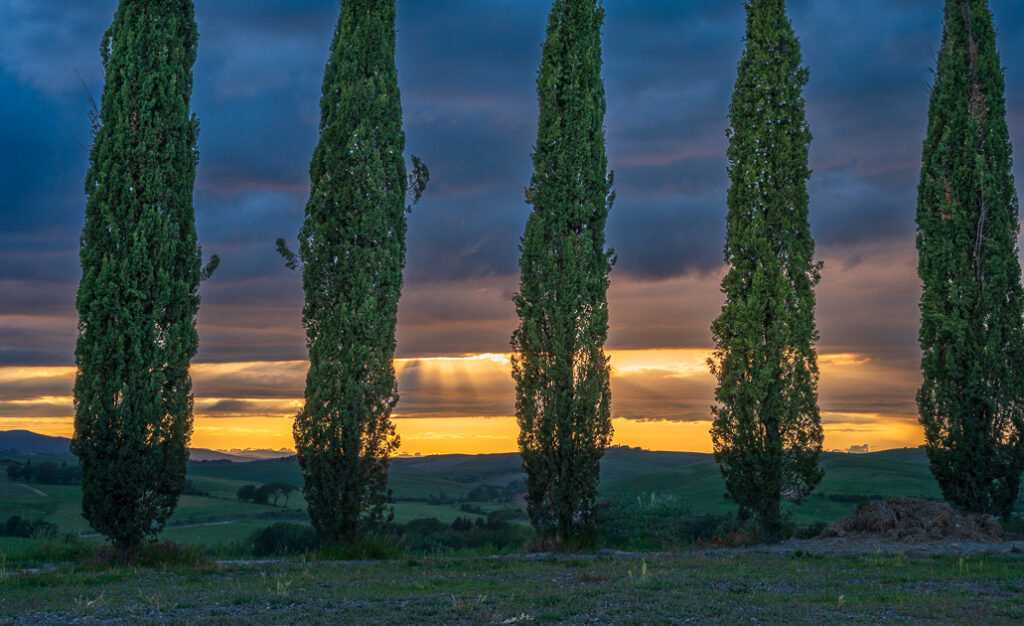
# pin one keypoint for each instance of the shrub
(809, 531)
(384, 544)
(1013, 524)
(658, 522)
(247, 493)
(284, 538)
(429, 535)
(16, 526)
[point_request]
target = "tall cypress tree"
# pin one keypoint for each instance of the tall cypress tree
(766, 430)
(138, 296)
(972, 400)
(561, 371)
(352, 251)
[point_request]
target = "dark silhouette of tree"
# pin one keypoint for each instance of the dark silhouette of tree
(352, 252)
(138, 296)
(767, 430)
(972, 400)
(559, 364)
(247, 493)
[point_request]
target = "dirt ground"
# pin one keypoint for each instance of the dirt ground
(911, 526)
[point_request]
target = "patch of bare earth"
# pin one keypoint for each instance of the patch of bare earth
(908, 525)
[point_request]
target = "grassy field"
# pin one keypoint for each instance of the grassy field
(437, 487)
(724, 586)
(43, 581)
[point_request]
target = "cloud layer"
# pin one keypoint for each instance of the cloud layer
(467, 71)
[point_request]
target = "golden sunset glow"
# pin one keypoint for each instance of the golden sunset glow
(464, 404)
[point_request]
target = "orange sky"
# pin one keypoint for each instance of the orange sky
(454, 400)
(464, 404)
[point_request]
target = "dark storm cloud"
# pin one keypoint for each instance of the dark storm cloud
(467, 70)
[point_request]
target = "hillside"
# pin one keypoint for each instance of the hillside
(28, 442)
(442, 486)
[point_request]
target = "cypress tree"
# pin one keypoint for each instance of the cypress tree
(138, 296)
(559, 364)
(766, 429)
(352, 251)
(971, 306)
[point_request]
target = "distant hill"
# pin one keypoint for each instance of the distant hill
(443, 486)
(205, 454)
(28, 442)
(259, 453)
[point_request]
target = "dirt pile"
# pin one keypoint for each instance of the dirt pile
(914, 520)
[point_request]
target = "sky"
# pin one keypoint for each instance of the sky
(467, 71)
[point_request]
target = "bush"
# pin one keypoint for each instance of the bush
(732, 532)
(430, 536)
(284, 538)
(372, 547)
(1013, 524)
(809, 531)
(15, 526)
(246, 493)
(656, 522)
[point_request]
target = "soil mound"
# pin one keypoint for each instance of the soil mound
(914, 520)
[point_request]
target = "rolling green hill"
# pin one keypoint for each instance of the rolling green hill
(439, 486)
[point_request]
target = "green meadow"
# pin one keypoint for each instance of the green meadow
(440, 487)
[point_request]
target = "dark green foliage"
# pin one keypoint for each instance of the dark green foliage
(247, 493)
(161, 555)
(284, 538)
(275, 491)
(269, 493)
(559, 364)
(47, 473)
(651, 522)
(138, 296)
(767, 431)
(191, 489)
(971, 307)
(431, 536)
(16, 526)
(352, 251)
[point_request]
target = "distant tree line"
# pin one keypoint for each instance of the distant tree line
(47, 473)
(266, 494)
(141, 269)
(480, 493)
(192, 489)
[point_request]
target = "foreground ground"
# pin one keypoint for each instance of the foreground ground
(718, 586)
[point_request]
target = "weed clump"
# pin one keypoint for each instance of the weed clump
(152, 555)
